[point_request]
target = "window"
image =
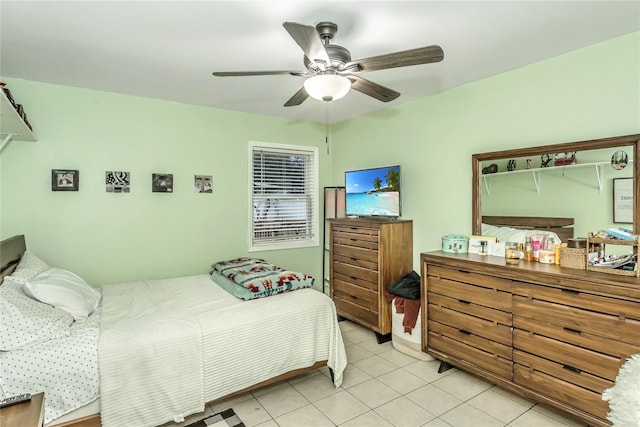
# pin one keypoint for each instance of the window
(283, 181)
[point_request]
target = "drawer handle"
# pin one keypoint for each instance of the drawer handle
(354, 258)
(464, 301)
(572, 369)
(354, 278)
(574, 331)
(462, 331)
(354, 240)
(570, 291)
(464, 271)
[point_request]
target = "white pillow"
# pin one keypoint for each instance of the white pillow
(25, 321)
(28, 268)
(65, 290)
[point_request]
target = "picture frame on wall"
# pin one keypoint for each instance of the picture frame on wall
(117, 181)
(623, 200)
(65, 179)
(162, 183)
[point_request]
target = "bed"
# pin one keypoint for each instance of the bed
(163, 348)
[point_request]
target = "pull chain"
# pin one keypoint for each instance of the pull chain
(326, 125)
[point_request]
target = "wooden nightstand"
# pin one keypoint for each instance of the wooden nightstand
(27, 414)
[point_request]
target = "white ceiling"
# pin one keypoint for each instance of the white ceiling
(168, 49)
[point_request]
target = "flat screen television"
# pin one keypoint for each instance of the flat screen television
(373, 192)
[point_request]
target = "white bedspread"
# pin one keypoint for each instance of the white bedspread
(167, 346)
(149, 354)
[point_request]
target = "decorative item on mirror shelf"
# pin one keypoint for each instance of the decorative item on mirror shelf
(563, 159)
(511, 165)
(492, 168)
(545, 161)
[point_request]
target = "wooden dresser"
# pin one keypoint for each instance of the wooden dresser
(366, 256)
(555, 335)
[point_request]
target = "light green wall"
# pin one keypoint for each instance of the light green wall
(106, 237)
(586, 94)
(590, 93)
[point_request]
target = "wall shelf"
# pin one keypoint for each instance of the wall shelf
(535, 172)
(11, 124)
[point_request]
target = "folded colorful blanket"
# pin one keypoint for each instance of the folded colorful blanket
(250, 278)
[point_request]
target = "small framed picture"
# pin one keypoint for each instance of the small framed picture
(65, 180)
(117, 181)
(623, 200)
(203, 183)
(162, 183)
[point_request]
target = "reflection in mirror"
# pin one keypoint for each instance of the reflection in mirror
(573, 180)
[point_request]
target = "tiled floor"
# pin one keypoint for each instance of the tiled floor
(384, 387)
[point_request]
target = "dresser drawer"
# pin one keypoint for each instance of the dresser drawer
(471, 349)
(357, 237)
(356, 294)
(557, 388)
(355, 272)
(354, 255)
(616, 319)
(354, 311)
(474, 290)
(616, 349)
(572, 358)
(468, 317)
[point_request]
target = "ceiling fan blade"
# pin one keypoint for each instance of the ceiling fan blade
(309, 41)
(421, 55)
(256, 73)
(372, 89)
(298, 98)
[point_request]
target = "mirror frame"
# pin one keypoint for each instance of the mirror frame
(593, 144)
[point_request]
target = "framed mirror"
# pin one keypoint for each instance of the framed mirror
(574, 179)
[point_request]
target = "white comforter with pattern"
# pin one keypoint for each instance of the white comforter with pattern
(168, 346)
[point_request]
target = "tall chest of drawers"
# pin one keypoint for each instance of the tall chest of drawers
(552, 334)
(366, 255)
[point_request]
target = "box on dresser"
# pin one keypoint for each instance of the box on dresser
(552, 334)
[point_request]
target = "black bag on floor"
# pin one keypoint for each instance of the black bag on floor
(408, 286)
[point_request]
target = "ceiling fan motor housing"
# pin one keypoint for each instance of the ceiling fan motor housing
(339, 55)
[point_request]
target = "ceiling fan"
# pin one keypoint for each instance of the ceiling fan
(330, 71)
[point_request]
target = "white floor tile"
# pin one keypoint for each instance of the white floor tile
(427, 370)
(374, 393)
(308, 416)
(341, 407)
(499, 406)
(466, 415)
(251, 412)
(397, 358)
(356, 352)
(368, 419)
(433, 399)
(354, 376)
(461, 385)
(315, 387)
(282, 400)
(402, 412)
(402, 381)
(558, 416)
(375, 365)
(533, 418)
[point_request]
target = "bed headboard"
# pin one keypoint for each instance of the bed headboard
(11, 251)
(563, 227)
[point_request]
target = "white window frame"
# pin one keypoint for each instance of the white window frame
(267, 244)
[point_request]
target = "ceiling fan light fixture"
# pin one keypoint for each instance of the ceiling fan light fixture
(327, 87)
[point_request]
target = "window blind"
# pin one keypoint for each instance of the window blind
(283, 195)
